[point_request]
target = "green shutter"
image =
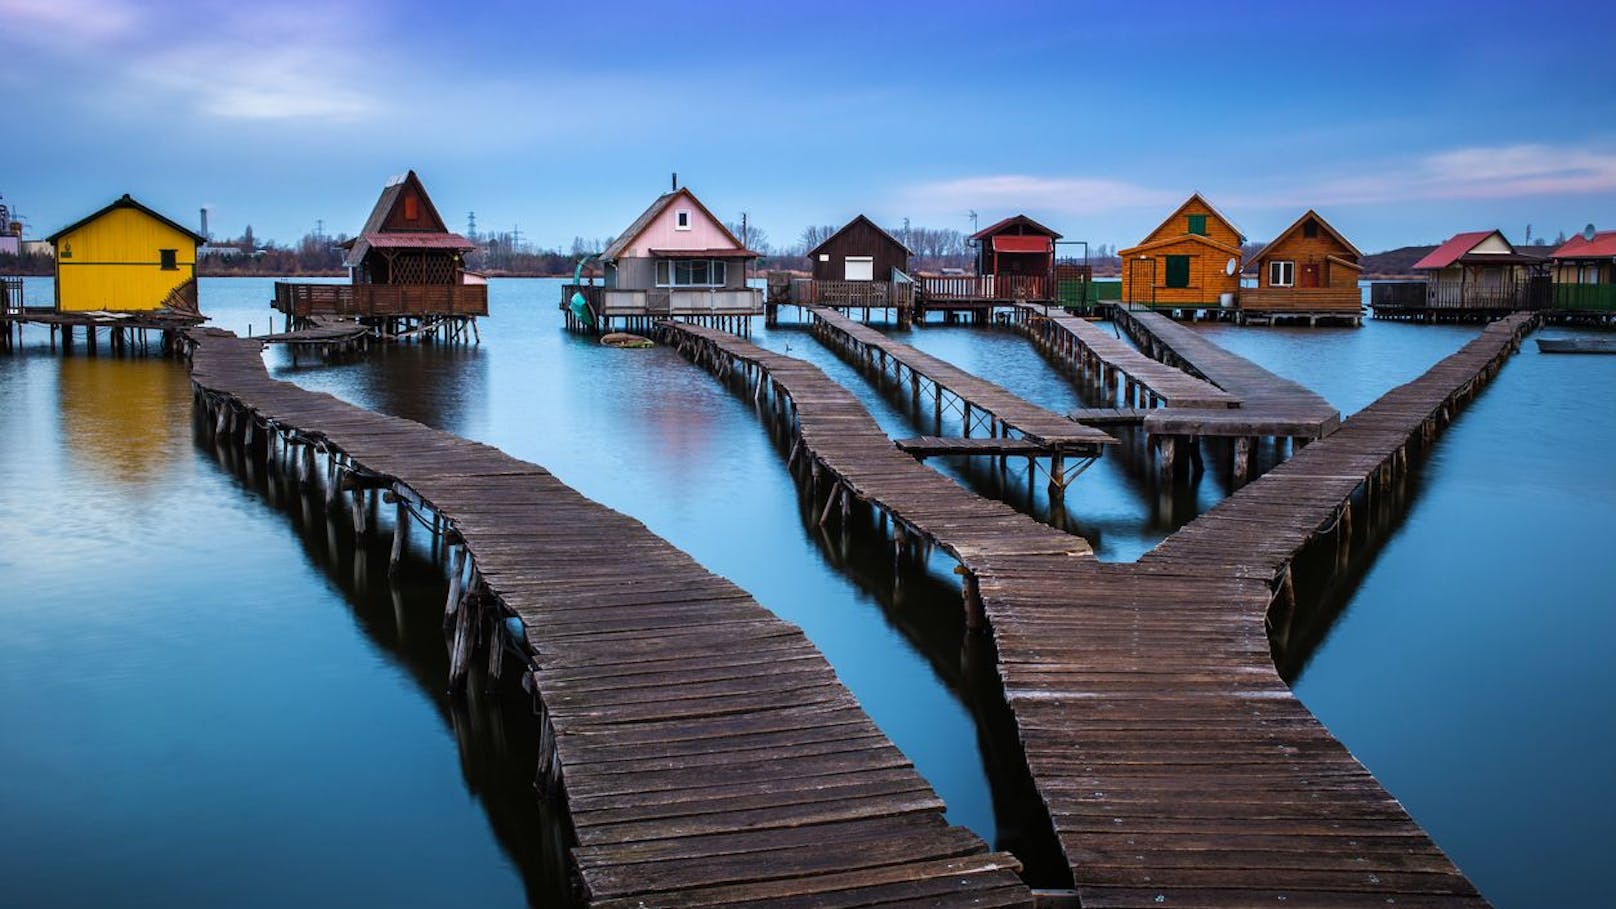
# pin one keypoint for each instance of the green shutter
(1178, 271)
(1198, 225)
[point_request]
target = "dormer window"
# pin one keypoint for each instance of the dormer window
(681, 220)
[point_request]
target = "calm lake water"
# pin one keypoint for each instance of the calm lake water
(214, 698)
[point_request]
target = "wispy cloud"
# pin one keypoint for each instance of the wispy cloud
(1017, 192)
(1478, 173)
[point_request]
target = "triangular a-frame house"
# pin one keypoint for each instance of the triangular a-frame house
(1191, 259)
(405, 241)
(1309, 271)
(677, 242)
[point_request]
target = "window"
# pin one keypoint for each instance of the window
(1178, 271)
(412, 207)
(859, 268)
(1281, 274)
(691, 272)
(1197, 225)
(681, 220)
(169, 258)
(824, 257)
(1310, 229)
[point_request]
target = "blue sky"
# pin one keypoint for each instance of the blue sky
(1401, 122)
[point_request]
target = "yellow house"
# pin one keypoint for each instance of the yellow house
(125, 258)
(1192, 259)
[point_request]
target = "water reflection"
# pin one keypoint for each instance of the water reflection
(428, 383)
(115, 416)
(401, 613)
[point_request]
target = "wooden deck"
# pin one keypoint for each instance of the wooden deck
(379, 301)
(1270, 405)
(1131, 378)
(929, 446)
(707, 753)
(1177, 766)
(979, 400)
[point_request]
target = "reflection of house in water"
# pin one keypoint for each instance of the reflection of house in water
(439, 385)
(126, 419)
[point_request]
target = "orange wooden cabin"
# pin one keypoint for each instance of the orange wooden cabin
(1309, 271)
(1191, 260)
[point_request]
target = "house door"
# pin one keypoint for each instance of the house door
(1310, 275)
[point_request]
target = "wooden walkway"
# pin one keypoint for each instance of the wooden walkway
(1177, 766)
(1270, 405)
(1115, 366)
(1006, 413)
(707, 753)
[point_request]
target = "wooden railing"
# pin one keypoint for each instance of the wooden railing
(11, 295)
(1301, 299)
(372, 300)
(983, 288)
(1534, 293)
(666, 301)
(1592, 297)
(811, 292)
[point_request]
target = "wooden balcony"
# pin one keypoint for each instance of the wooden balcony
(667, 302)
(365, 301)
(943, 291)
(1316, 300)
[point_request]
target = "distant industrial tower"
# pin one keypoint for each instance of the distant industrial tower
(471, 225)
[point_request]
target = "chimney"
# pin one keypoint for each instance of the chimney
(205, 234)
(675, 181)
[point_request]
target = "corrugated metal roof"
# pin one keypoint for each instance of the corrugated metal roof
(1602, 246)
(1451, 251)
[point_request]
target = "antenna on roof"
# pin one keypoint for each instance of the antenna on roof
(395, 179)
(675, 181)
(1588, 233)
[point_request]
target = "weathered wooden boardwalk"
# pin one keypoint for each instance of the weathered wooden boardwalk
(1069, 446)
(707, 753)
(1177, 766)
(1127, 378)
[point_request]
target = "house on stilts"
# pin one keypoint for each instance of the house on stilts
(675, 261)
(1190, 262)
(1308, 273)
(859, 267)
(407, 274)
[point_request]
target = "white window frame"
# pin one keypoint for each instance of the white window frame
(668, 273)
(849, 261)
(681, 219)
(1282, 273)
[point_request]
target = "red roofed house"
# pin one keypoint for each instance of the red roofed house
(1481, 270)
(1584, 271)
(1019, 253)
(676, 259)
(405, 266)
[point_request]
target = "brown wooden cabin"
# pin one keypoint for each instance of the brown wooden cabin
(1186, 261)
(860, 251)
(404, 264)
(1309, 271)
(1015, 260)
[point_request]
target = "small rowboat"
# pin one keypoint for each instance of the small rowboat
(1577, 345)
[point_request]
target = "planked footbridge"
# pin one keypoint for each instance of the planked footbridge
(1176, 765)
(706, 752)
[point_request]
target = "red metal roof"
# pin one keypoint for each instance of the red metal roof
(1014, 221)
(414, 239)
(1030, 243)
(1602, 246)
(1449, 252)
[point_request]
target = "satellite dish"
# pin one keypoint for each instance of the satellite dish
(1588, 233)
(1230, 267)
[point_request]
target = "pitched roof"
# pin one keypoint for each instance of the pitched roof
(1197, 197)
(844, 228)
(385, 203)
(1455, 247)
(126, 201)
(1296, 227)
(1022, 220)
(1182, 238)
(627, 237)
(1602, 246)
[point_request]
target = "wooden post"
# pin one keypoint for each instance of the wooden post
(975, 614)
(1242, 459)
(401, 524)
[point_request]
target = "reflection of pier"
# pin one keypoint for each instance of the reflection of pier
(1177, 766)
(706, 752)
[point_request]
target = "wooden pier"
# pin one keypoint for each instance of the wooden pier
(706, 752)
(983, 407)
(1177, 766)
(1270, 406)
(123, 332)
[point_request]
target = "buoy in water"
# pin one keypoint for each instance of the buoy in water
(623, 339)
